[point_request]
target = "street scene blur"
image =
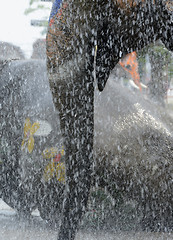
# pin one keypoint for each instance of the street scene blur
(133, 148)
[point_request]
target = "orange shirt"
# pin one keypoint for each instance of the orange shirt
(130, 64)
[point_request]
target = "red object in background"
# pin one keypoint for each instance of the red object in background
(130, 64)
(58, 13)
(57, 157)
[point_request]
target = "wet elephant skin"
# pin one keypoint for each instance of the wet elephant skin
(133, 152)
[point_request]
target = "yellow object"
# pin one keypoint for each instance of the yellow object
(60, 172)
(62, 151)
(29, 130)
(52, 152)
(53, 169)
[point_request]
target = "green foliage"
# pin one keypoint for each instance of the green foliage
(107, 211)
(158, 55)
(32, 1)
(155, 51)
(171, 70)
(39, 7)
(34, 6)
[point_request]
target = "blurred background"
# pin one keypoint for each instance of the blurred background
(23, 25)
(15, 22)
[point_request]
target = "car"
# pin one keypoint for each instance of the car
(30, 133)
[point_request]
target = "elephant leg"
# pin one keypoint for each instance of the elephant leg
(76, 117)
(106, 58)
(166, 26)
(71, 83)
(79, 145)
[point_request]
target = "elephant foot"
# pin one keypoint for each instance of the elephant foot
(23, 215)
(157, 224)
(67, 233)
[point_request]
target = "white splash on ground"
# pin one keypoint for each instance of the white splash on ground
(11, 228)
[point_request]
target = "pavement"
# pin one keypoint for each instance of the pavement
(13, 228)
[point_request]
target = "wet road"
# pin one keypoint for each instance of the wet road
(11, 228)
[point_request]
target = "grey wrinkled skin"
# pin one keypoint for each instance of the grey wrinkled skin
(117, 28)
(133, 152)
